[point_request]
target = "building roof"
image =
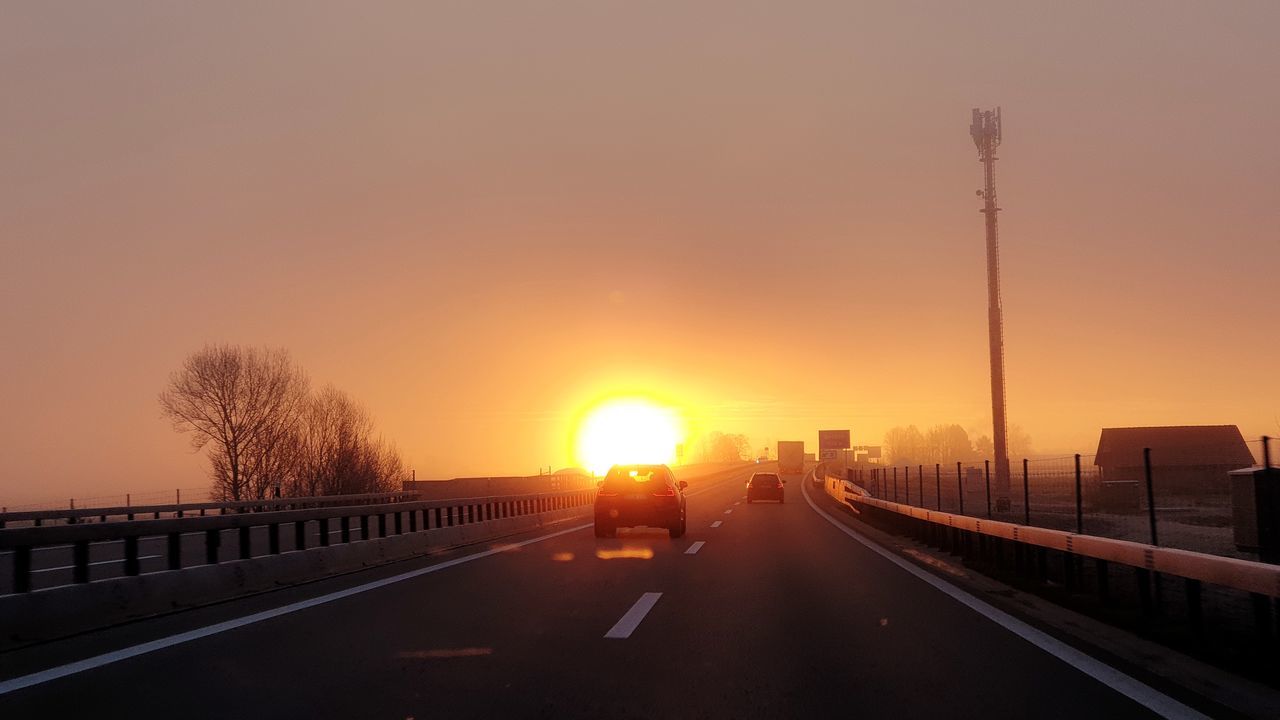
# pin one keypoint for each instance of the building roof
(1176, 445)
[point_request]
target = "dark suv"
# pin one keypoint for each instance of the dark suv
(765, 486)
(632, 495)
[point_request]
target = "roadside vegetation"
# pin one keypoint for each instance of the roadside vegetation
(268, 433)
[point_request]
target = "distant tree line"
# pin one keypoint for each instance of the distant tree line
(716, 446)
(268, 432)
(947, 444)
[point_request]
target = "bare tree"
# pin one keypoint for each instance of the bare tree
(337, 451)
(716, 446)
(904, 445)
(243, 403)
(947, 444)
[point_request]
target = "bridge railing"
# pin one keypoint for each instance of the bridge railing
(374, 521)
(73, 516)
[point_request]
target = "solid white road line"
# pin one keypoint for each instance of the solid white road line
(694, 548)
(100, 562)
(61, 671)
(1141, 693)
(629, 622)
(717, 523)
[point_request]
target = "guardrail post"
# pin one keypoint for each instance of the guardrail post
(1151, 497)
(324, 532)
(1144, 591)
(1262, 616)
(245, 543)
(1026, 495)
(345, 524)
(174, 550)
(212, 539)
(300, 535)
(273, 538)
(22, 569)
(131, 564)
(1069, 572)
(1195, 611)
(987, 465)
(960, 486)
(80, 561)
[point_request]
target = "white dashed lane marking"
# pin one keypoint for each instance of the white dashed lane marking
(717, 523)
(694, 548)
(629, 622)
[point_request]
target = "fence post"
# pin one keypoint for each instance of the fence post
(1266, 452)
(895, 483)
(1026, 495)
(960, 486)
(937, 476)
(1151, 495)
(920, 482)
(1079, 500)
(987, 465)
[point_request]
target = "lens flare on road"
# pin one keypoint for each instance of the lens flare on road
(630, 430)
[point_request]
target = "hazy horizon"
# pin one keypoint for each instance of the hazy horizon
(480, 221)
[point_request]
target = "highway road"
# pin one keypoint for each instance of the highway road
(761, 610)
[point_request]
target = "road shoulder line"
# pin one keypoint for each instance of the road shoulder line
(1139, 692)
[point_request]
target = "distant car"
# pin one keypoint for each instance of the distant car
(765, 486)
(636, 495)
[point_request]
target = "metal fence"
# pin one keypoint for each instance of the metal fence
(1187, 505)
(175, 496)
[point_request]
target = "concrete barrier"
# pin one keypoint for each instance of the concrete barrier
(62, 611)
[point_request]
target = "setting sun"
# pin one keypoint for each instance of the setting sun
(628, 431)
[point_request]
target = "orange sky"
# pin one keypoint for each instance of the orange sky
(478, 217)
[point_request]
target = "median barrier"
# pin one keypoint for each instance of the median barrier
(43, 615)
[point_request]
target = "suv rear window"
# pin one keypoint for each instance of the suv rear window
(626, 478)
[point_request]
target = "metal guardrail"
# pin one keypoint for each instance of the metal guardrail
(1036, 549)
(130, 512)
(391, 518)
(1244, 575)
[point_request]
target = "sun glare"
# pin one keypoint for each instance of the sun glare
(628, 431)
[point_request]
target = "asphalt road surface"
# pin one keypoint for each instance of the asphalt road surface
(761, 610)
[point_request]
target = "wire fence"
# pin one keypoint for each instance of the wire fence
(1187, 498)
(150, 497)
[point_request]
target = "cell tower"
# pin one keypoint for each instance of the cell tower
(986, 135)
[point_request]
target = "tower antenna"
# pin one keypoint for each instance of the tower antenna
(986, 133)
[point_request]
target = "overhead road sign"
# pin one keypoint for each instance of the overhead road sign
(833, 439)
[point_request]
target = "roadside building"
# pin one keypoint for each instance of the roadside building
(1185, 459)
